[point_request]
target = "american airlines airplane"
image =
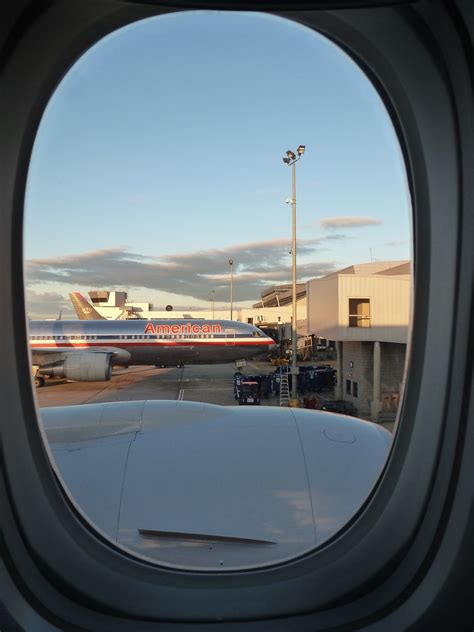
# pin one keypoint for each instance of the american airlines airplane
(85, 351)
(83, 308)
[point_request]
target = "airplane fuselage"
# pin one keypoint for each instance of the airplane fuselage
(167, 342)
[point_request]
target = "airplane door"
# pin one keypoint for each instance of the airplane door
(230, 337)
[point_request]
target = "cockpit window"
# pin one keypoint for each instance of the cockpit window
(190, 437)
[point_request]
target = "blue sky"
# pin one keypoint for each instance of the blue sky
(159, 157)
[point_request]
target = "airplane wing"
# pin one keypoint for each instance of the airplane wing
(205, 486)
(84, 365)
(51, 355)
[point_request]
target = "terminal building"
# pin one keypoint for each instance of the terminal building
(362, 310)
(272, 312)
(365, 309)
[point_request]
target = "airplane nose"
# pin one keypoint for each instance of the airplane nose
(272, 346)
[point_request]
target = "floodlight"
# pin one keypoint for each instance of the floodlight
(300, 150)
(290, 154)
(286, 160)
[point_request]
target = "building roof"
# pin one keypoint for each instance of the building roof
(279, 295)
(382, 268)
(403, 268)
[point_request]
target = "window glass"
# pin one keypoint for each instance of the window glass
(359, 312)
(166, 138)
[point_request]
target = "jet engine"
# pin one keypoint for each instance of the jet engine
(81, 367)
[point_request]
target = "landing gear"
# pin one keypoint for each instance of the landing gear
(39, 381)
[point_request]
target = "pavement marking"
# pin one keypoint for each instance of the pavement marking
(148, 382)
(206, 389)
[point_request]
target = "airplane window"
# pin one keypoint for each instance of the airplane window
(187, 142)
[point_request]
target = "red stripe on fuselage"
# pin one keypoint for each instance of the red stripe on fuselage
(153, 343)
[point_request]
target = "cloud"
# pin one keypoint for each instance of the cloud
(44, 305)
(256, 266)
(360, 221)
(390, 244)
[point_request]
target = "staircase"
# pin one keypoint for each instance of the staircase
(284, 390)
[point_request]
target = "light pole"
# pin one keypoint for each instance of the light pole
(212, 303)
(231, 263)
(291, 159)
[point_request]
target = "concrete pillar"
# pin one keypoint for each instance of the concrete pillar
(376, 405)
(338, 389)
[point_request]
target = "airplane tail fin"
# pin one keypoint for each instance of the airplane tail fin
(84, 310)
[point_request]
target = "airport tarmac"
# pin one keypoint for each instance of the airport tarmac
(211, 383)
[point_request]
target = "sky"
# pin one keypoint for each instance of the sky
(159, 158)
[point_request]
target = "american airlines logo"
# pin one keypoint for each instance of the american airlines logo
(86, 310)
(183, 328)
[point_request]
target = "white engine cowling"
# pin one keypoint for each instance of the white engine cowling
(82, 367)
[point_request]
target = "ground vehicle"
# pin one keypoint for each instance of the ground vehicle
(415, 576)
(338, 406)
(249, 392)
(279, 361)
(319, 378)
(266, 384)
